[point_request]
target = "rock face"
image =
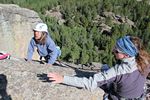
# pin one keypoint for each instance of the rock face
(16, 28)
(20, 80)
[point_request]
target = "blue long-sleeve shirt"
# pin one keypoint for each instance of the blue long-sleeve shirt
(48, 49)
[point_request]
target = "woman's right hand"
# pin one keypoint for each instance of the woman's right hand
(29, 61)
(55, 77)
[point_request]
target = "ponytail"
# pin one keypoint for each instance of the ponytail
(143, 57)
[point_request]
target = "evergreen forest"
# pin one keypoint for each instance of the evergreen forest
(90, 28)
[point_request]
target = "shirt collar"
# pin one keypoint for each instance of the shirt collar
(129, 60)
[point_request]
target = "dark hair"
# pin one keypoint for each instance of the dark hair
(42, 39)
(143, 57)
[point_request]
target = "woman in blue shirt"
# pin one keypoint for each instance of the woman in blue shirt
(45, 45)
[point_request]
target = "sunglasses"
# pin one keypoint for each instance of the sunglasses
(116, 51)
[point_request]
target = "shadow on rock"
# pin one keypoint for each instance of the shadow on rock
(3, 88)
(43, 77)
(80, 73)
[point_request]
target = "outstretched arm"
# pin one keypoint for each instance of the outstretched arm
(51, 47)
(89, 83)
(30, 50)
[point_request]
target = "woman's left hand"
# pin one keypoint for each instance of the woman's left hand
(55, 77)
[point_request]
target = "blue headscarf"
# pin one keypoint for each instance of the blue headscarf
(125, 45)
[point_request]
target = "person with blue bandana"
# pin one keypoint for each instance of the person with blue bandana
(124, 81)
(45, 45)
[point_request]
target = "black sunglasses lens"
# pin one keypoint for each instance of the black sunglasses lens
(116, 51)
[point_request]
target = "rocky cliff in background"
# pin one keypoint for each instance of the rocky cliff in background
(16, 28)
(20, 80)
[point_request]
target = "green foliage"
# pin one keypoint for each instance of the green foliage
(80, 38)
